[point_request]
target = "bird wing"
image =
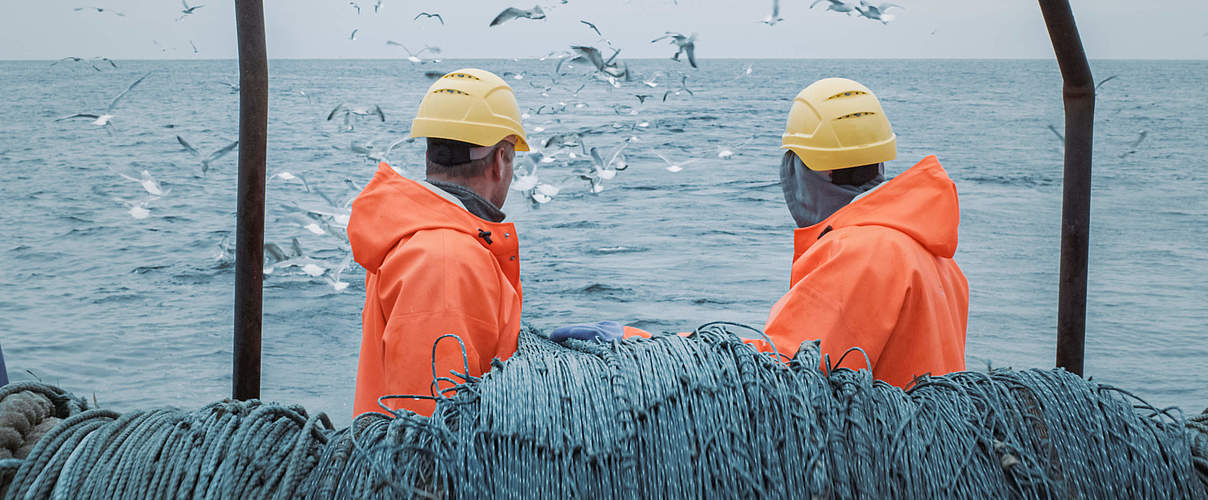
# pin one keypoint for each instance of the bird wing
(1105, 80)
(884, 6)
(119, 97)
(378, 111)
(664, 158)
(816, 2)
(1140, 138)
(507, 15)
(79, 115)
(185, 4)
(691, 50)
(775, 9)
(188, 147)
(592, 54)
(274, 252)
(222, 152)
(593, 27)
(668, 35)
(296, 247)
(1056, 133)
(333, 112)
(353, 35)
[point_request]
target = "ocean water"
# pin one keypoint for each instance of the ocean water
(137, 312)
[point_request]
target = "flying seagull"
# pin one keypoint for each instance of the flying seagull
(774, 17)
(684, 44)
(683, 88)
(674, 167)
(104, 119)
(212, 157)
(350, 112)
(377, 6)
(428, 15)
(876, 12)
(355, 6)
(187, 9)
(593, 27)
(511, 13)
(353, 36)
(835, 5)
(414, 56)
(100, 10)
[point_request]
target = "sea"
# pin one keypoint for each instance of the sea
(126, 297)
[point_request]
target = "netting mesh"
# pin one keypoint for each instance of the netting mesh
(670, 416)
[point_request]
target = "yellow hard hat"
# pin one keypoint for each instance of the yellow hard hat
(838, 123)
(470, 105)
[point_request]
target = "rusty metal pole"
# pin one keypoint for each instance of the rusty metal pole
(249, 234)
(1079, 97)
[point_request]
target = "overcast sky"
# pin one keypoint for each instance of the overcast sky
(1118, 29)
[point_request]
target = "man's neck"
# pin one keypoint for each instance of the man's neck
(470, 198)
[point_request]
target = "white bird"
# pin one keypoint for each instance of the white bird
(288, 176)
(545, 192)
(334, 278)
(1132, 148)
(210, 158)
(100, 10)
(774, 17)
(104, 119)
(377, 6)
(414, 57)
(384, 155)
(835, 5)
(684, 45)
(138, 209)
(876, 12)
(296, 258)
(356, 6)
(349, 113)
(511, 13)
(187, 9)
(683, 88)
(593, 27)
(149, 184)
(429, 15)
(608, 169)
(674, 167)
(726, 153)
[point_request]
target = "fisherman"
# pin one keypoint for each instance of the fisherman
(439, 259)
(872, 259)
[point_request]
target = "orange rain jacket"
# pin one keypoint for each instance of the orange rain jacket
(432, 268)
(878, 274)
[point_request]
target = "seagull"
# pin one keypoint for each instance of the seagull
(287, 176)
(149, 184)
(1105, 80)
(382, 155)
(188, 10)
(607, 170)
(294, 259)
(334, 279)
(100, 10)
(350, 112)
(377, 6)
(1132, 148)
(835, 5)
(672, 166)
(138, 209)
(685, 44)
(105, 119)
(683, 88)
(212, 157)
(642, 97)
(593, 56)
(726, 153)
(425, 14)
(543, 193)
(511, 13)
(593, 27)
(414, 56)
(774, 17)
(356, 6)
(353, 35)
(194, 46)
(876, 12)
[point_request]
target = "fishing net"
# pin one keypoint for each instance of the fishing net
(670, 416)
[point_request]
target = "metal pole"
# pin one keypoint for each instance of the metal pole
(1079, 97)
(249, 235)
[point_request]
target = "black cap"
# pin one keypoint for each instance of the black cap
(448, 152)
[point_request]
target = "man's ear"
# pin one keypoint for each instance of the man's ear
(497, 159)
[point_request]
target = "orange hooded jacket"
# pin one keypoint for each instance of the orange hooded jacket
(432, 268)
(878, 274)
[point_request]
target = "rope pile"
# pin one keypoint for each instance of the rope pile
(669, 416)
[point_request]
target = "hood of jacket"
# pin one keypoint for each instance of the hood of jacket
(391, 208)
(920, 202)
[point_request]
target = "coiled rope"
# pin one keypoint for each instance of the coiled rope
(669, 416)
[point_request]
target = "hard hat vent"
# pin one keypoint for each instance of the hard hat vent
(856, 115)
(464, 76)
(850, 93)
(449, 91)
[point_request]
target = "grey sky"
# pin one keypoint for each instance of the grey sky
(1125, 29)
